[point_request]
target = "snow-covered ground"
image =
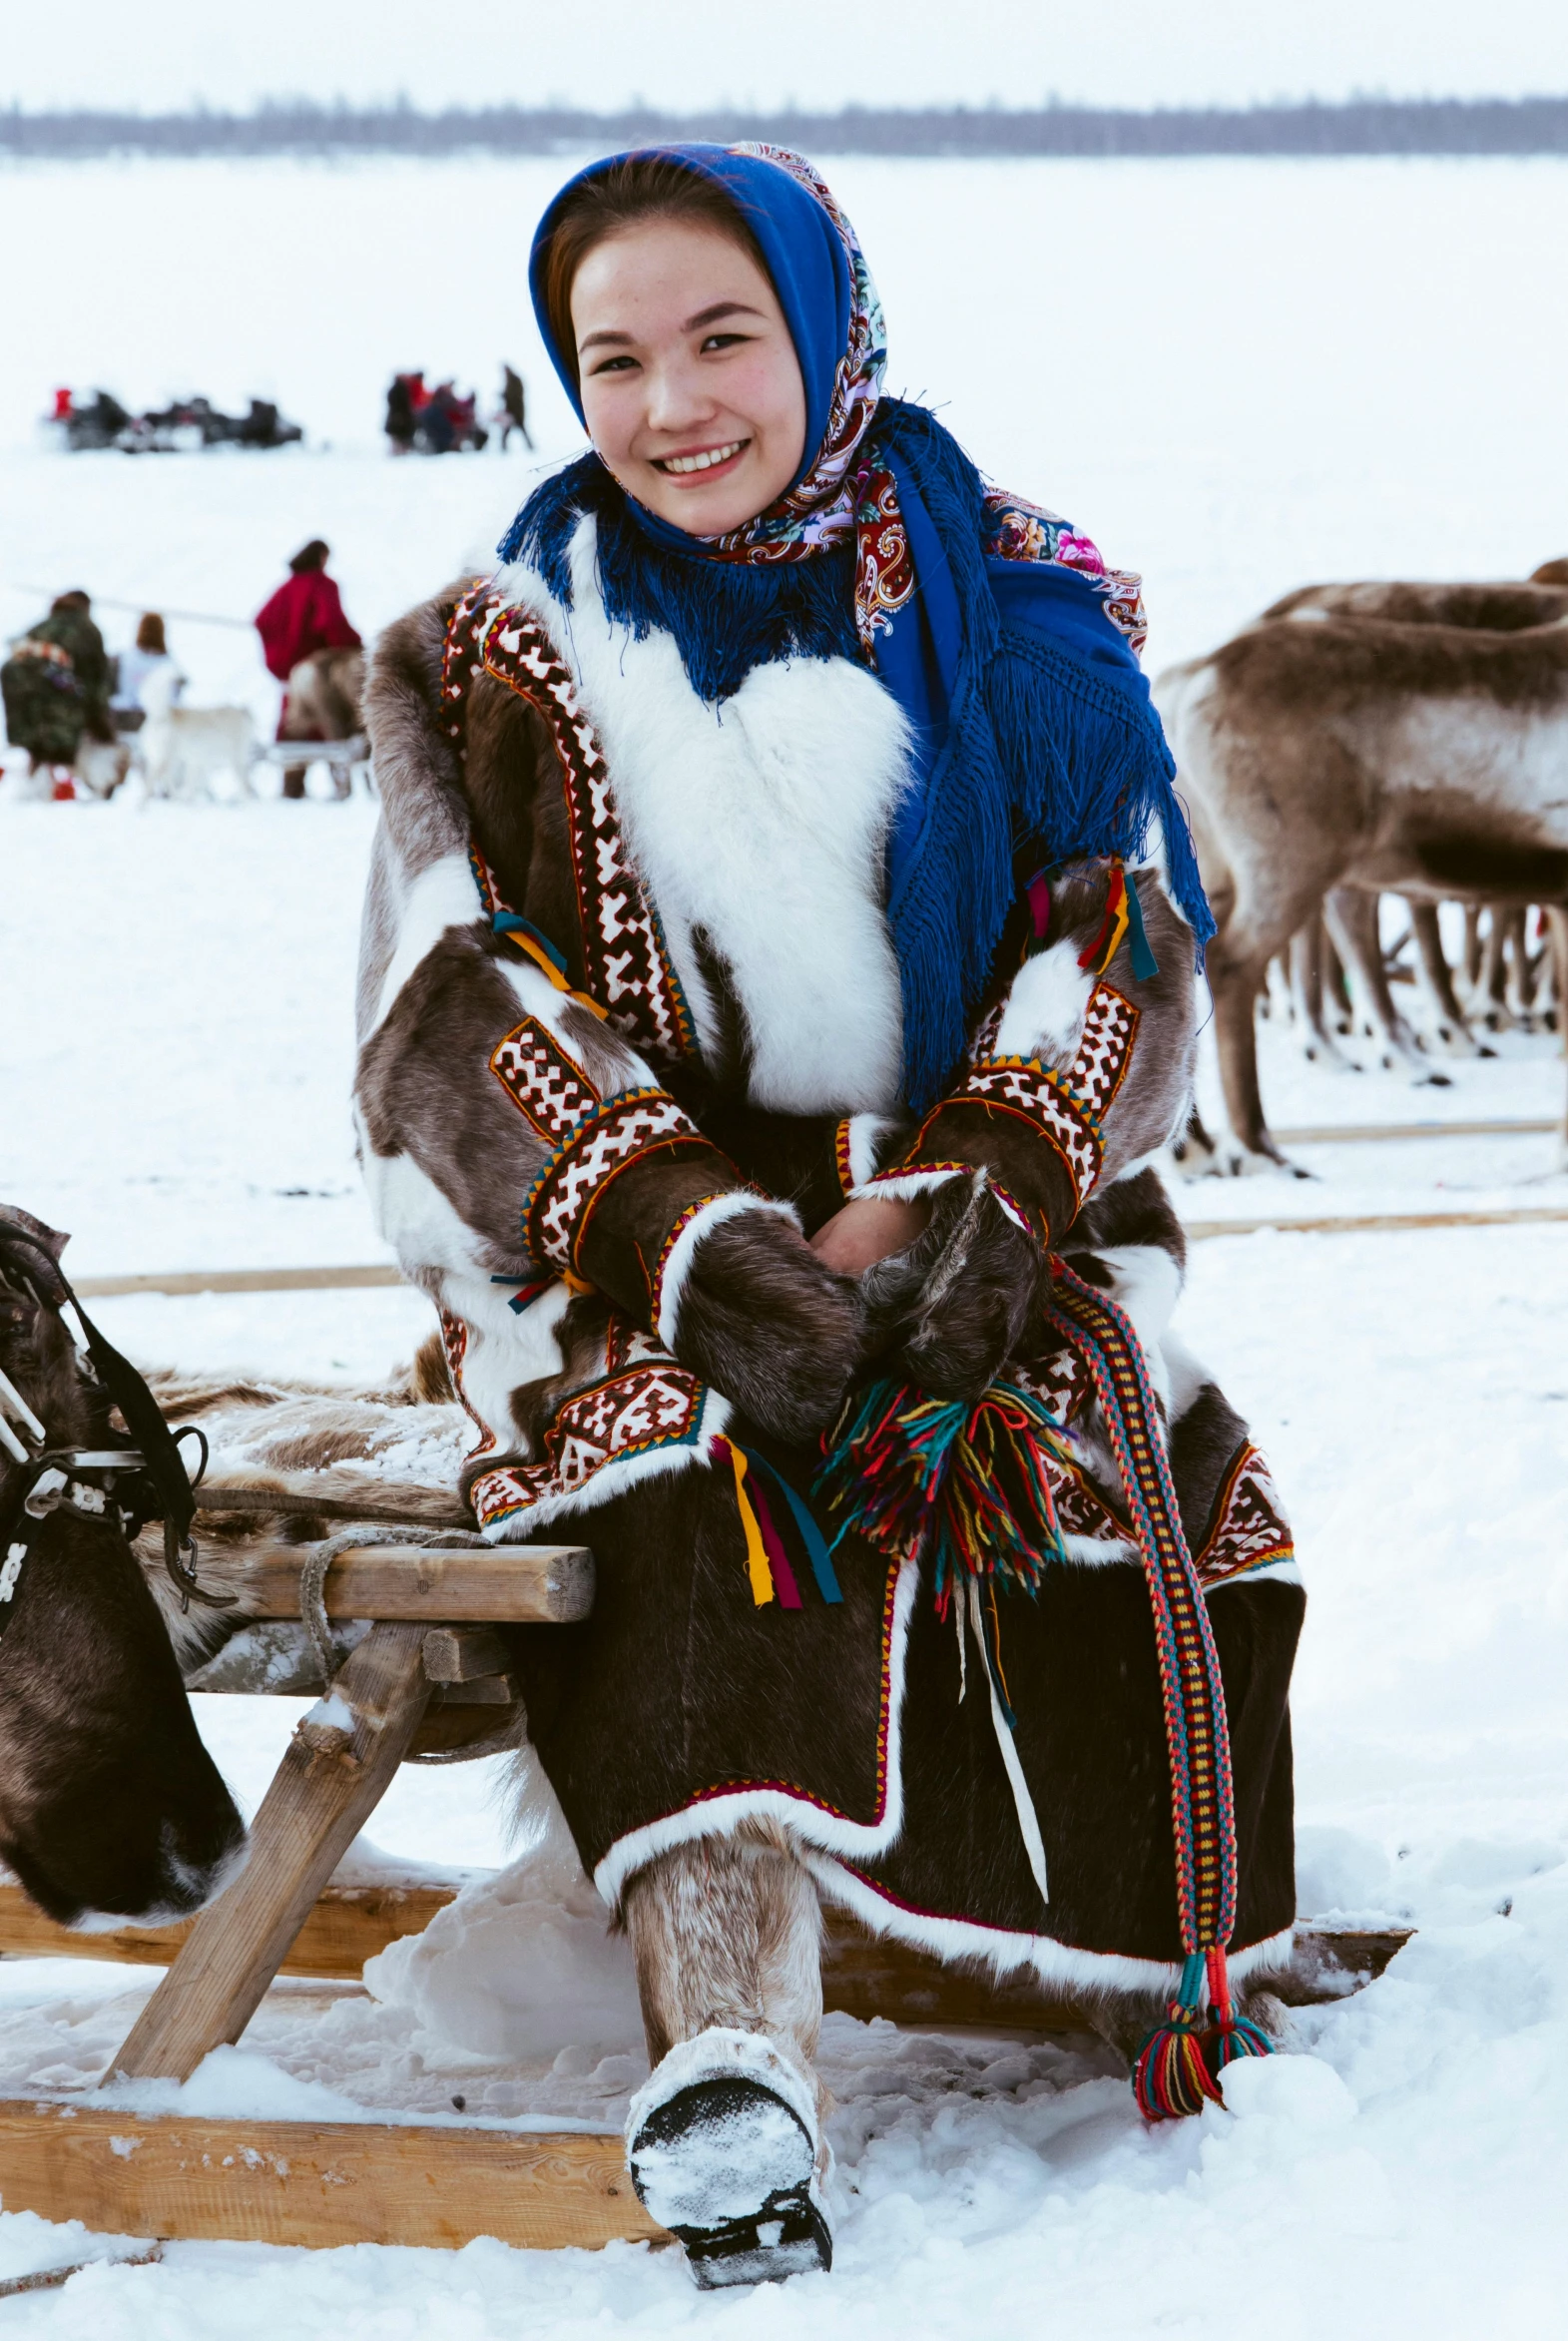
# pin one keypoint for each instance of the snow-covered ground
(1240, 376)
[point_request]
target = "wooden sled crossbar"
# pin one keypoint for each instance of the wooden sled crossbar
(516, 1585)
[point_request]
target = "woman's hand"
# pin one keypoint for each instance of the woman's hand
(866, 1231)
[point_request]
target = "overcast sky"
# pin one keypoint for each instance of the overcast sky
(675, 52)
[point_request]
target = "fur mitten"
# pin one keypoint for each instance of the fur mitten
(948, 1311)
(765, 1321)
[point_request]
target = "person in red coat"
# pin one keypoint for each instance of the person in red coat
(305, 615)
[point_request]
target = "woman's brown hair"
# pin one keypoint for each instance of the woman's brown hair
(150, 635)
(644, 187)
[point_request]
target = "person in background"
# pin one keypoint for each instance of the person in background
(399, 424)
(304, 616)
(148, 662)
(513, 415)
(55, 686)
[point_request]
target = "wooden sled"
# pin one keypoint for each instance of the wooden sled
(427, 1673)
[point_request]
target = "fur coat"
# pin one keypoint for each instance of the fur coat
(628, 1030)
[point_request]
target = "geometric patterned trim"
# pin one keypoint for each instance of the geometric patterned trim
(542, 1081)
(637, 1410)
(629, 971)
(1066, 1109)
(1248, 1531)
(614, 1133)
(843, 1167)
(1104, 1051)
(1196, 1732)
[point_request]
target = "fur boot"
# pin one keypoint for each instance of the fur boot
(725, 2140)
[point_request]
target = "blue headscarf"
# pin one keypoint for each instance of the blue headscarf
(1008, 645)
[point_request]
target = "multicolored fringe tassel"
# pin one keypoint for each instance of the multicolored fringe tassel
(966, 1483)
(1123, 912)
(768, 1564)
(1178, 2069)
(1179, 2066)
(1113, 927)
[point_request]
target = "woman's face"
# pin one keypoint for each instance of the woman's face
(690, 383)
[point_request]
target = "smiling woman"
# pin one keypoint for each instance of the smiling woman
(659, 296)
(829, 973)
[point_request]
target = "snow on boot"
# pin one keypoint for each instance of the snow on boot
(725, 2151)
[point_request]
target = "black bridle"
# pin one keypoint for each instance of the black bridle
(122, 1485)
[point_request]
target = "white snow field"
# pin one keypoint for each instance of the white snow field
(1237, 377)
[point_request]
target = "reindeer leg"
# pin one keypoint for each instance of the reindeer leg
(1353, 921)
(1557, 923)
(1494, 968)
(1319, 1044)
(1520, 983)
(1236, 1035)
(1555, 972)
(1438, 982)
(1472, 946)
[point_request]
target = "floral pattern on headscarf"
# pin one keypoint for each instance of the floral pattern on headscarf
(1019, 531)
(838, 496)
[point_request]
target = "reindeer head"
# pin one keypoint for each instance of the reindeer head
(111, 1809)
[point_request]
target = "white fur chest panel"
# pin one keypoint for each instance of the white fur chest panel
(762, 825)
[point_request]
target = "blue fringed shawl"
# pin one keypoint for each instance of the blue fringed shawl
(1032, 729)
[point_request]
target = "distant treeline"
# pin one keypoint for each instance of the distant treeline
(1361, 126)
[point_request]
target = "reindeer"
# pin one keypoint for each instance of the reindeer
(1503, 607)
(325, 700)
(111, 1809)
(1425, 757)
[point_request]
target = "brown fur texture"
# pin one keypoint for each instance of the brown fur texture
(728, 1931)
(952, 1307)
(109, 1802)
(767, 1323)
(1365, 752)
(1498, 609)
(425, 1089)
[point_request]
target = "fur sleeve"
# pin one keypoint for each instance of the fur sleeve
(506, 1131)
(1075, 1074)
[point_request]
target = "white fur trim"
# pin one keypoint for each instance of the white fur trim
(761, 823)
(909, 1186)
(717, 1815)
(1186, 1376)
(864, 1139)
(1060, 1966)
(723, 2052)
(441, 896)
(1278, 1572)
(1099, 1552)
(1147, 1283)
(1046, 1007)
(677, 1262)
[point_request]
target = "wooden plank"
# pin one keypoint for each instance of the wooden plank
(240, 1280)
(348, 1925)
(1350, 1133)
(861, 1976)
(463, 1653)
(520, 1583)
(1530, 1214)
(341, 1758)
(320, 2184)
